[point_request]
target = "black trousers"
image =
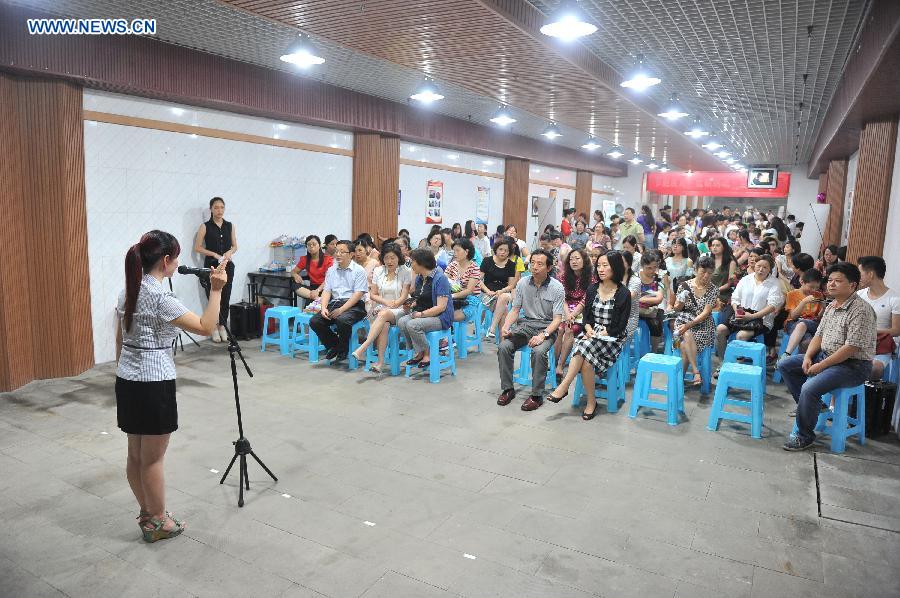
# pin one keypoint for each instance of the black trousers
(344, 324)
(772, 335)
(226, 290)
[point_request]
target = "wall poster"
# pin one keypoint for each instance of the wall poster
(482, 205)
(435, 192)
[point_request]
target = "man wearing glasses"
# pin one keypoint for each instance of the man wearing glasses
(342, 302)
(839, 355)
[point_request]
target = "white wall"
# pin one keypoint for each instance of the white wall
(552, 176)
(848, 196)
(801, 202)
(891, 251)
(138, 179)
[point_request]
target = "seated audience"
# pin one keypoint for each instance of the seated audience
(829, 258)
(632, 282)
(886, 303)
(432, 308)
(388, 292)
(755, 301)
(481, 242)
(679, 266)
(600, 240)
(653, 293)
(579, 238)
(362, 255)
(785, 260)
(512, 232)
(500, 278)
(342, 302)
(839, 355)
(540, 298)
(330, 244)
(631, 245)
(804, 309)
(465, 280)
(607, 309)
(316, 264)
(694, 325)
(576, 278)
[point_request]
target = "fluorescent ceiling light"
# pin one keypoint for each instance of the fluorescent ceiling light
(674, 110)
(552, 132)
(302, 53)
(502, 117)
(664, 167)
(640, 78)
(730, 161)
(713, 143)
(615, 153)
(568, 23)
(652, 164)
(427, 94)
(487, 162)
(591, 144)
(177, 111)
(636, 159)
(722, 153)
(452, 156)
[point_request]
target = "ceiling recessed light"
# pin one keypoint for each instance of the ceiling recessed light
(302, 53)
(427, 94)
(696, 130)
(487, 162)
(674, 110)
(453, 156)
(615, 153)
(177, 111)
(722, 153)
(568, 23)
(636, 159)
(713, 143)
(664, 167)
(552, 131)
(502, 117)
(412, 149)
(652, 164)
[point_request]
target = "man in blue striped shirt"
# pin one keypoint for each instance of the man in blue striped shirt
(342, 302)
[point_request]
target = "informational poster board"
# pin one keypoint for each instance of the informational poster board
(609, 209)
(434, 191)
(482, 205)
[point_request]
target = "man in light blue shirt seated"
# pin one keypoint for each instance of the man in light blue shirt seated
(342, 302)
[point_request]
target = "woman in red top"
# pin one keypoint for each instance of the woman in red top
(316, 263)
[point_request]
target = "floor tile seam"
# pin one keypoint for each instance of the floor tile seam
(35, 576)
(754, 564)
(842, 486)
(408, 576)
(855, 510)
(866, 458)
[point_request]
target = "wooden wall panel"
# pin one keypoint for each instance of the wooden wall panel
(376, 181)
(871, 196)
(584, 182)
(516, 208)
(823, 182)
(16, 346)
(834, 197)
(47, 312)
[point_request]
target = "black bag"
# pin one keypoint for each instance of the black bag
(880, 398)
(244, 319)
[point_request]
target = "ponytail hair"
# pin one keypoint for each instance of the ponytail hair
(140, 259)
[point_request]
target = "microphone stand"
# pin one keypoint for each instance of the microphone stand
(242, 444)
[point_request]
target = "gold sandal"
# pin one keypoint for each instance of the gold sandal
(153, 529)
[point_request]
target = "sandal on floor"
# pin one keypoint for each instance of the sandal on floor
(553, 399)
(588, 416)
(142, 519)
(153, 529)
(375, 368)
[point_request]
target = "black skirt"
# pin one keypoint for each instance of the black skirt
(146, 407)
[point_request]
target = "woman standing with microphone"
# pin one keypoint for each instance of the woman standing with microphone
(149, 319)
(216, 240)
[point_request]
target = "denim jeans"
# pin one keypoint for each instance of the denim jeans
(808, 390)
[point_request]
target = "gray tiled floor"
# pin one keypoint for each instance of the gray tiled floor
(466, 498)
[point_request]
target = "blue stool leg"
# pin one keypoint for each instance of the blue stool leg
(636, 393)
(313, 346)
(550, 378)
(394, 350)
(861, 417)
(718, 403)
(578, 391)
(672, 400)
(839, 422)
(706, 370)
(756, 413)
(434, 367)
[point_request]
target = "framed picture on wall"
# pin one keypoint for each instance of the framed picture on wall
(566, 203)
(534, 206)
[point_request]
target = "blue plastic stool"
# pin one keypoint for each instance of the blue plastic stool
(439, 362)
(305, 338)
(643, 386)
(522, 374)
(668, 337)
(746, 377)
(704, 362)
(717, 317)
(755, 351)
(642, 338)
(776, 377)
(284, 314)
(611, 387)
(631, 346)
(466, 341)
(352, 362)
(843, 425)
(395, 354)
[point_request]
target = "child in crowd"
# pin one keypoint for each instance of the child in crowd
(804, 308)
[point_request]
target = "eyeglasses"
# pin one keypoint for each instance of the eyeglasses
(340, 252)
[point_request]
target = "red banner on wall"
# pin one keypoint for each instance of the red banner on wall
(713, 184)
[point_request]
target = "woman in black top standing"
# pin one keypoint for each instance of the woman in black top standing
(216, 240)
(606, 314)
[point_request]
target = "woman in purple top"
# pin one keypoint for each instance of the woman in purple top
(649, 223)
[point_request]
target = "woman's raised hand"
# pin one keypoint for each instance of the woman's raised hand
(218, 277)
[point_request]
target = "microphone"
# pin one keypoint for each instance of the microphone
(201, 272)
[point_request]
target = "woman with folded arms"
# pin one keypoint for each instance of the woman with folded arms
(432, 307)
(316, 263)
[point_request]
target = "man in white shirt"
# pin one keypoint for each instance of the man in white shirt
(346, 283)
(885, 302)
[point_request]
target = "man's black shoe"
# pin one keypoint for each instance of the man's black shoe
(331, 354)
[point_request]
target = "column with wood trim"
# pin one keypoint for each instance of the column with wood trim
(584, 182)
(516, 208)
(872, 193)
(834, 197)
(376, 183)
(45, 311)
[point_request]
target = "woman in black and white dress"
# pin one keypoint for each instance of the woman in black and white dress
(607, 309)
(146, 410)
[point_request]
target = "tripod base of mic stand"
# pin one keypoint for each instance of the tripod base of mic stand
(241, 450)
